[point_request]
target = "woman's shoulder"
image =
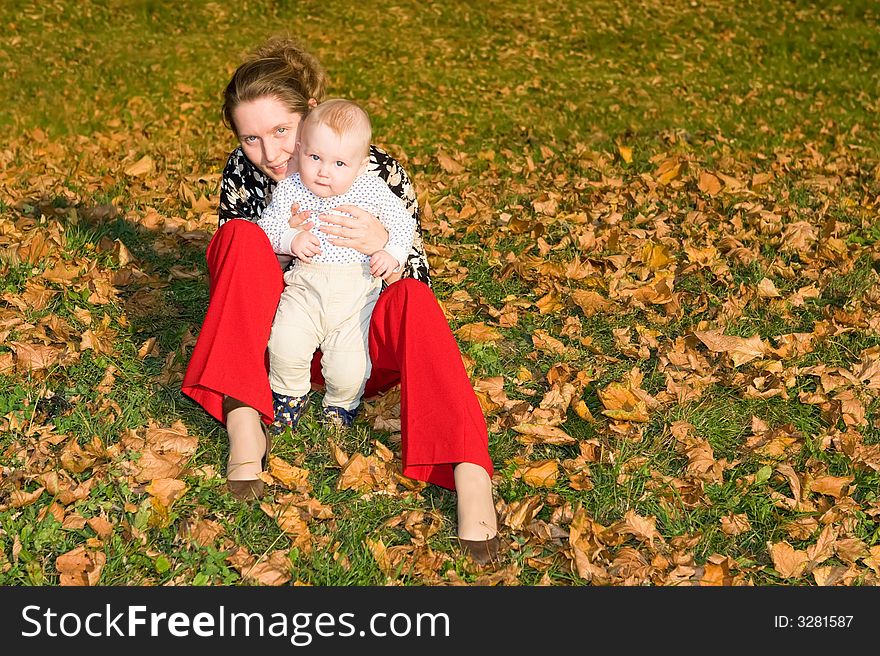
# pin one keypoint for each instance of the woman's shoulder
(390, 170)
(244, 189)
(238, 165)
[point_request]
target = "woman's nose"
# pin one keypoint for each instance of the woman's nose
(270, 151)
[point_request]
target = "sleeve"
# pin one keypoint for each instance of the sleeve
(401, 225)
(276, 217)
(243, 189)
(389, 170)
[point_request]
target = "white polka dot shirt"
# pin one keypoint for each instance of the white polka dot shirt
(367, 192)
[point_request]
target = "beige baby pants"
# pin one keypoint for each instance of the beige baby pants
(326, 306)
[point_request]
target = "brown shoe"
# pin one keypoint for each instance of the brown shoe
(247, 490)
(482, 552)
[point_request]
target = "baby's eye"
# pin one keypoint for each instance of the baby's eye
(314, 157)
(340, 163)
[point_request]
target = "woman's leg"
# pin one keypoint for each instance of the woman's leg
(229, 358)
(443, 431)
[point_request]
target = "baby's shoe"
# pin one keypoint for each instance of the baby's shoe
(338, 418)
(288, 411)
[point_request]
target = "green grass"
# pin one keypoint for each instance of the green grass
(555, 93)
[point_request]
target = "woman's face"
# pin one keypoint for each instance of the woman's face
(267, 131)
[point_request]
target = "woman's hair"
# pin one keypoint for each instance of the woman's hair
(280, 69)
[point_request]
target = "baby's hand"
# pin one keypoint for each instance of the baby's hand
(299, 219)
(382, 264)
(305, 246)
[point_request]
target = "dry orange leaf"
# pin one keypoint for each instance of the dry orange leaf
(478, 332)
(766, 289)
(621, 404)
(542, 434)
(293, 478)
(80, 566)
(273, 571)
(643, 528)
(34, 357)
(541, 473)
(668, 171)
(175, 438)
(735, 524)
(100, 525)
(166, 490)
(788, 561)
(140, 168)
(709, 184)
(153, 465)
(740, 349)
(549, 303)
(20, 498)
(834, 486)
(449, 165)
(591, 302)
(581, 410)
(290, 520)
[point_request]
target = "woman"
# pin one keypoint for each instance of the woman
(443, 431)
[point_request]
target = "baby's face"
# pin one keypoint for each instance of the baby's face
(328, 163)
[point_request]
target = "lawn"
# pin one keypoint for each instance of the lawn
(652, 226)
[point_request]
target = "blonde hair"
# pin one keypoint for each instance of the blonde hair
(281, 69)
(345, 118)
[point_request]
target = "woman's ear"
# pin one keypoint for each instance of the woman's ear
(313, 103)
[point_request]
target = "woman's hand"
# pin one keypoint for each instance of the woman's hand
(361, 231)
(298, 219)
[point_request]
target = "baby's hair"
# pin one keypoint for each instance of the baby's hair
(344, 118)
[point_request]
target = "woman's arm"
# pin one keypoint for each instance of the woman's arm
(362, 231)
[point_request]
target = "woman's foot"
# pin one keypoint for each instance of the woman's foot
(248, 449)
(477, 519)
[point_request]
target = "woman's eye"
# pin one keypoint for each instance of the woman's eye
(281, 130)
(249, 140)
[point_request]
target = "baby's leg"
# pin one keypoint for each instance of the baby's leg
(295, 335)
(345, 361)
(345, 374)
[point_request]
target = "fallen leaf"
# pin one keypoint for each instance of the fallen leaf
(789, 562)
(166, 490)
(478, 332)
(140, 168)
(80, 567)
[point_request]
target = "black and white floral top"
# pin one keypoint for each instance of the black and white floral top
(245, 191)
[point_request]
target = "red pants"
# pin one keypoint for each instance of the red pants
(442, 423)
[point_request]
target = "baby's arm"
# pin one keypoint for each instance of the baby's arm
(275, 220)
(305, 245)
(401, 225)
(383, 264)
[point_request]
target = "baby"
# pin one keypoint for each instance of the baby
(330, 290)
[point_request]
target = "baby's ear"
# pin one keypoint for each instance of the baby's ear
(363, 168)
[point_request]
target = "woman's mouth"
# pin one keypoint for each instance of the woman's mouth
(279, 169)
